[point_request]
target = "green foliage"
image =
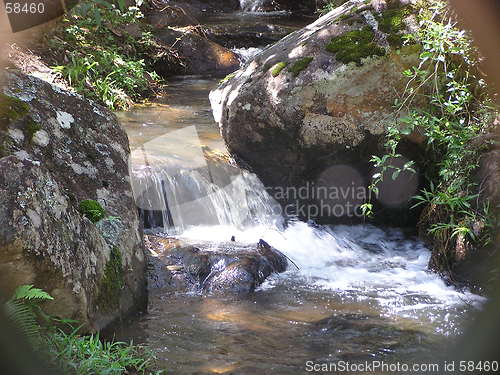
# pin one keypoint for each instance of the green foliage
(72, 352)
(23, 310)
(300, 65)
(457, 114)
(112, 282)
(90, 355)
(92, 210)
(104, 60)
(353, 46)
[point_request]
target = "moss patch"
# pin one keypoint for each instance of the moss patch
(278, 68)
(228, 77)
(354, 46)
(391, 22)
(300, 65)
(11, 109)
(31, 128)
(112, 282)
(92, 210)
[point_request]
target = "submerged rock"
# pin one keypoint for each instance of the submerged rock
(68, 222)
(308, 112)
(229, 269)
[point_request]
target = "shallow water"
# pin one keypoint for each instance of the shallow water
(360, 293)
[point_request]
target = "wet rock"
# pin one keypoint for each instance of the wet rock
(237, 35)
(309, 112)
(58, 149)
(229, 269)
(196, 55)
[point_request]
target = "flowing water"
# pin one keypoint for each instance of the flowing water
(251, 5)
(360, 293)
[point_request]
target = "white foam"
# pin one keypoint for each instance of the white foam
(361, 261)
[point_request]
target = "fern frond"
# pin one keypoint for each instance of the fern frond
(29, 293)
(21, 309)
(21, 314)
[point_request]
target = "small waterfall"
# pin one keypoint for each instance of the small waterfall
(176, 195)
(251, 5)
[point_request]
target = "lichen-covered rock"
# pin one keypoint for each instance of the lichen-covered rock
(68, 222)
(308, 112)
(231, 269)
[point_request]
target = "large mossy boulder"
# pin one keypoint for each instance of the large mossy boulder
(308, 112)
(68, 222)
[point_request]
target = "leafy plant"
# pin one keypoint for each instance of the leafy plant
(101, 49)
(23, 309)
(90, 355)
(458, 112)
(74, 353)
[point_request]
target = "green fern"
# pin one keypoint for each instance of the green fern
(23, 308)
(28, 292)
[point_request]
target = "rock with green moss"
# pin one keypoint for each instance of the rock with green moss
(355, 45)
(11, 109)
(112, 282)
(391, 22)
(57, 150)
(31, 128)
(228, 77)
(295, 132)
(300, 65)
(276, 70)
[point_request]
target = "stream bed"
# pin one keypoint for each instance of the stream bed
(358, 293)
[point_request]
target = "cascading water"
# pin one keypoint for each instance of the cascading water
(187, 198)
(353, 277)
(251, 5)
(200, 198)
(175, 193)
